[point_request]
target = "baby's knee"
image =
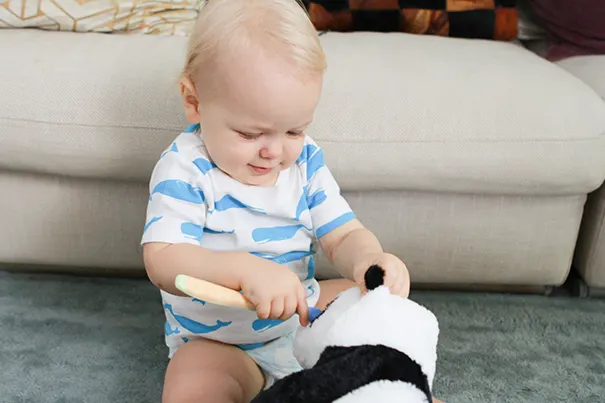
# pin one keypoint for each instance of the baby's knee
(207, 387)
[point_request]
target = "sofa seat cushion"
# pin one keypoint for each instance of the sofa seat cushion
(590, 69)
(399, 112)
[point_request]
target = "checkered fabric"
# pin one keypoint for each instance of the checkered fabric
(478, 19)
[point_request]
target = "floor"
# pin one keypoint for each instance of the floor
(81, 339)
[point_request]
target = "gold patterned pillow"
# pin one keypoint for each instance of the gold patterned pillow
(168, 17)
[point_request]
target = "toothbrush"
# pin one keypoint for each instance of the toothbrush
(219, 295)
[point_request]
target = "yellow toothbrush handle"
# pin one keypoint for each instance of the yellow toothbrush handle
(212, 293)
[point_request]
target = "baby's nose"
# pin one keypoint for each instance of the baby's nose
(272, 150)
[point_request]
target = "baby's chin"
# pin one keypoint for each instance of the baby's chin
(249, 179)
(267, 182)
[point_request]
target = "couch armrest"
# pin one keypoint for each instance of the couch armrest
(590, 251)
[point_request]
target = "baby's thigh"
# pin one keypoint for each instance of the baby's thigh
(329, 289)
(203, 371)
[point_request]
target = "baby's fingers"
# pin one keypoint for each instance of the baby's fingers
(289, 307)
(391, 279)
(405, 287)
(302, 308)
(399, 288)
(400, 284)
(263, 309)
(277, 308)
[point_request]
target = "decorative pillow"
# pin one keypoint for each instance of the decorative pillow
(574, 28)
(168, 17)
(480, 19)
(529, 28)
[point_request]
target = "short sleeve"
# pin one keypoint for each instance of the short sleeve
(328, 208)
(176, 211)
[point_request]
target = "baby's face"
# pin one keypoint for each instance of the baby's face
(254, 127)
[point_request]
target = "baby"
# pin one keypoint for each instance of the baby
(244, 199)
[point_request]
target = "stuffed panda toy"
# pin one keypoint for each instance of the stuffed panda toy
(372, 347)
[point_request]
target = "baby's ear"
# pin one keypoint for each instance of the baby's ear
(374, 277)
(190, 101)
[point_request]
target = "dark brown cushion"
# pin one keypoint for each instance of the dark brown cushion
(479, 19)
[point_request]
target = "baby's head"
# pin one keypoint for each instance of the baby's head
(253, 79)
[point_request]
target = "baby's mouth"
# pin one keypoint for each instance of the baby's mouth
(260, 170)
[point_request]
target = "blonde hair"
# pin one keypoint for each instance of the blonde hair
(281, 25)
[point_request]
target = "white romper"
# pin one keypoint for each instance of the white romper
(192, 201)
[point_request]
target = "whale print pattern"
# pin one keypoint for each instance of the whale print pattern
(315, 163)
(204, 165)
(192, 201)
(316, 199)
(193, 326)
(275, 234)
(260, 325)
(284, 258)
(311, 268)
(168, 330)
(193, 128)
(150, 222)
(217, 232)
(230, 202)
(196, 231)
(303, 203)
(180, 190)
(192, 231)
(173, 149)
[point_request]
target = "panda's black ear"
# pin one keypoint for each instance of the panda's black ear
(374, 277)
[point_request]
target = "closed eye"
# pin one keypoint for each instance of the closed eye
(295, 132)
(249, 136)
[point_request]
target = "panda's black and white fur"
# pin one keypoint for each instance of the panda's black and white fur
(376, 347)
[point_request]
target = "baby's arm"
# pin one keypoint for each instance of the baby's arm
(164, 262)
(352, 249)
(341, 235)
(349, 244)
(275, 290)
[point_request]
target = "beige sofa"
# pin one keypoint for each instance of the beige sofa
(590, 253)
(472, 160)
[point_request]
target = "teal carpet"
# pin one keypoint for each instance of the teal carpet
(76, 339)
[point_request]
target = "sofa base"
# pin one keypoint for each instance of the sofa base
(578, 287)
(443, 238)
(583, 290)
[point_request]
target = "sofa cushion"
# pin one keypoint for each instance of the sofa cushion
(399, 112)
(590, 69)
(165, 17)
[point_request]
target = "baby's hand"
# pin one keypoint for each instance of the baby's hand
(397, 277)
(276, 292)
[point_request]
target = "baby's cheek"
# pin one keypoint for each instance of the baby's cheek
(242, 154)
(294, 151)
